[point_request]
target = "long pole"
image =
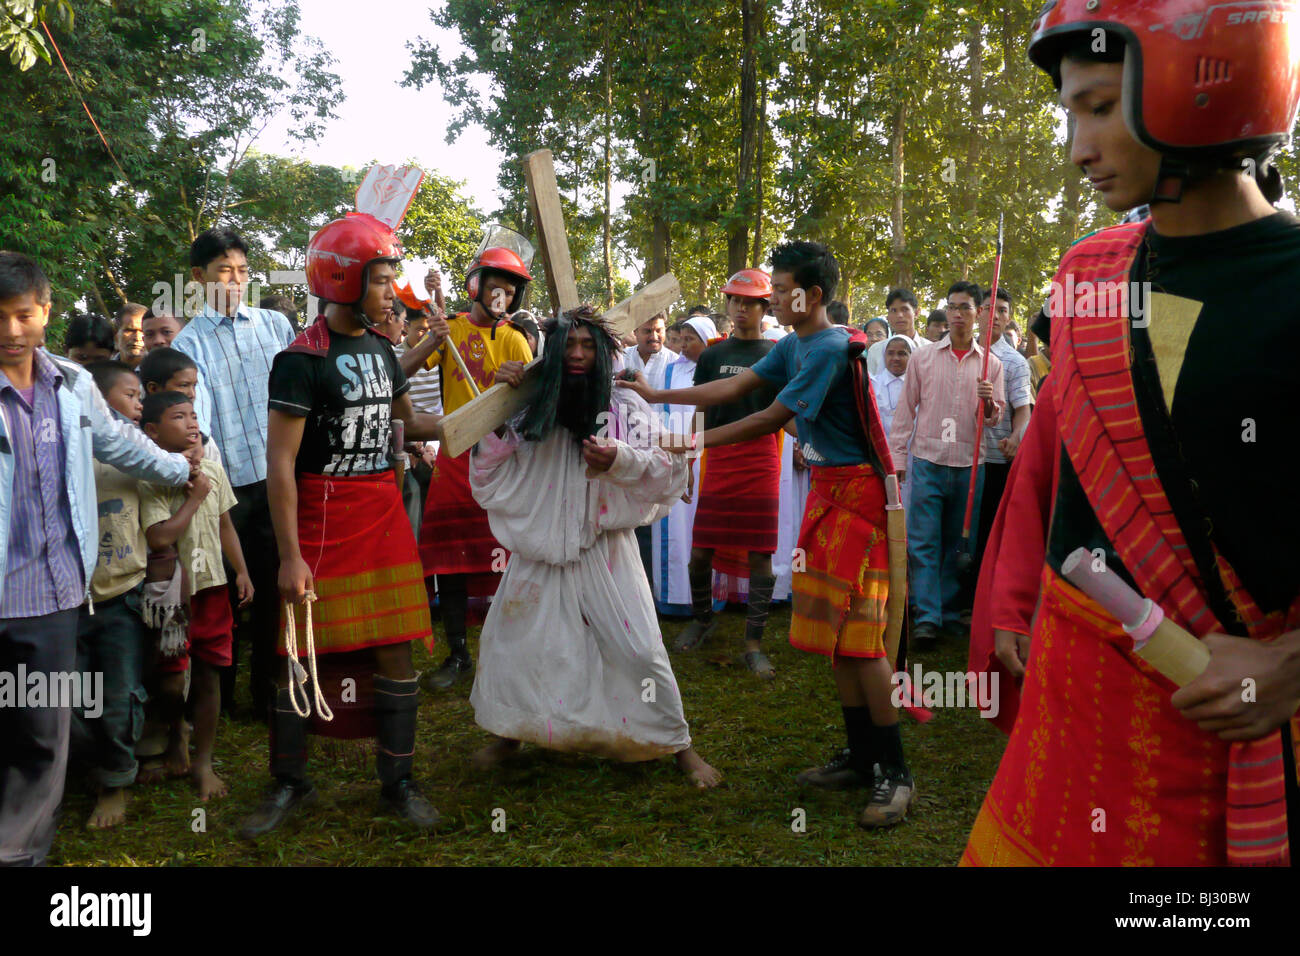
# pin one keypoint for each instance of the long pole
(979, 406)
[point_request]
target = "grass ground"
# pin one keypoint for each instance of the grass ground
(572, 810)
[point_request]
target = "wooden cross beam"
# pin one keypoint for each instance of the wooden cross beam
(462, 429)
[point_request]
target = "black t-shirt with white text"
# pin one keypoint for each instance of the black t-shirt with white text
(724, 360)
(347, 399)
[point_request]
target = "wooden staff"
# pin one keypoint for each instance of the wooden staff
(1157, 640)
(896, 531)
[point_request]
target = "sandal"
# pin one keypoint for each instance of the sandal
(694, 634)
(759, 665)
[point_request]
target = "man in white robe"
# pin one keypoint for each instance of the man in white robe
(571, 657)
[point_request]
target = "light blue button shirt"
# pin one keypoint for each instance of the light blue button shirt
(234, 358)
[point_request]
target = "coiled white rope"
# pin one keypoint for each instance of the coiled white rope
(297, 673)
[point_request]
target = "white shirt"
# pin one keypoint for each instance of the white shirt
(888, 388)
(654, 369)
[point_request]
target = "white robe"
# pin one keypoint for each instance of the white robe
(571, 656)
(671, 535)
(794, 497)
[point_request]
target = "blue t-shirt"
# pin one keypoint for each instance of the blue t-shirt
(810, 372)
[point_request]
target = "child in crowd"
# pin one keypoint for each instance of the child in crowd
(194, 521)
(113, 639)
(89, 338)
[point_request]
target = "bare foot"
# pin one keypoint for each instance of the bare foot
(696, 770)
(208, 784)
(176, 760)
(110, 809)
(488, 757)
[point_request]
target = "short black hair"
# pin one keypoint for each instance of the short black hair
(212, 243)
(399, 307)
(811, 264)
(905, 294)
(157, 403)
(280, 303)
(938, 315)
(1003, 295)
(695, 310)
(1080, 46)
(19, 275)
(89, 328)
(106, 373)
(970, 288)
(838, 312)
(161, 364)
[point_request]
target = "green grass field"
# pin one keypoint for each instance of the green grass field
(572, 810)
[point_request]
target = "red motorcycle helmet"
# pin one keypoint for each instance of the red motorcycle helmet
(340, 253)
(750, 284)
(1202, 79)
(498, 259)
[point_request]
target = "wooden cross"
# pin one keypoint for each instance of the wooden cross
(462, 429)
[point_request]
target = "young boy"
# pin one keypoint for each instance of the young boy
(735, 524)
(457, 546)
(165, 369)
(839, 600)
(113, 640)
(196, 522)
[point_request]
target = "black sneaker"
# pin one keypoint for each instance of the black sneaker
(280, 801)
(924, 637)
(453, 670)
(405, 799)
(838, 774)
(890, 801)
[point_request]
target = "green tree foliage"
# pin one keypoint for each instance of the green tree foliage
(181, 92)
(895, 130)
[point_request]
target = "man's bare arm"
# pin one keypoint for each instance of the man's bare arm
(718, 392)
(420, 426)
(769, 421)
(283, 439)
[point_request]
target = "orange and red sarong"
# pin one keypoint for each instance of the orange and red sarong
(354, 534)
(840, 594)
(739, 505)
(456, 537)
(1101, 768)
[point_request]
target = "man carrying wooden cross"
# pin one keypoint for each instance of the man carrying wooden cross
(456, 544)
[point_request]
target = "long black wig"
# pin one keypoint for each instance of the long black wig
(575, 405)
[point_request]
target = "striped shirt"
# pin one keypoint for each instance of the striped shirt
(937, 409)
(1015, 372)
(234, 359)
(426, 392)
(43, 571)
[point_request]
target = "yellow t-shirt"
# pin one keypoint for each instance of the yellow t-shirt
(200, 545)
(122, 550)
(483, 355)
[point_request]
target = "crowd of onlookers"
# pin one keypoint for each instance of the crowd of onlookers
(159, 554)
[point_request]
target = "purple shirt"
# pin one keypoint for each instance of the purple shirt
(43, 569)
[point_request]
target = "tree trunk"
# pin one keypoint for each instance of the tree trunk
(757, 257)
(751, 13)
(975, 50)
(606, 238)
(1070, 206)
(660, 247)
(898, 249)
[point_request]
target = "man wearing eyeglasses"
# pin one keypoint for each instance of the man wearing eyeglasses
(936, 413)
